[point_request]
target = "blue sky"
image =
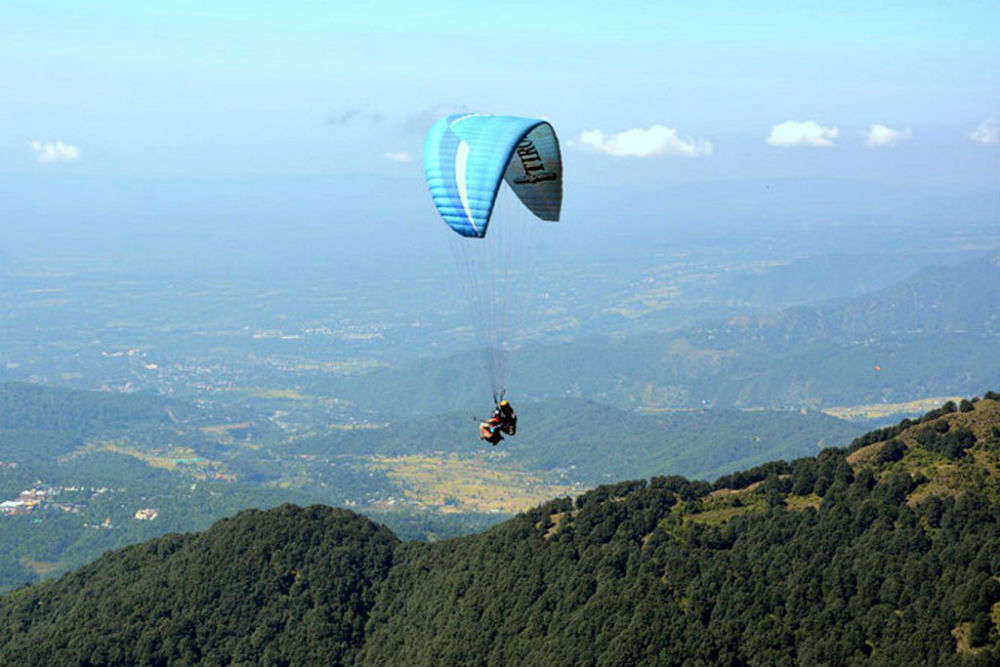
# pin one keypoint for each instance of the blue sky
(222, 89)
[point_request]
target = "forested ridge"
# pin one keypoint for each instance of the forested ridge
(886, 552)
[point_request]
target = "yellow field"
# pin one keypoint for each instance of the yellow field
(455, 484)
(345, 367)
(280, 393)
(203, 468)
(223, 428)
(657, 297)
(364, 426)
(878, 410)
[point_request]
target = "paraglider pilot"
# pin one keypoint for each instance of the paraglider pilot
(503, 420)
(508, 420)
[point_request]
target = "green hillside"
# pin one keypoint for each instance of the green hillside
(882, 553)
(34, 407)
(221, 593)
(39, 423)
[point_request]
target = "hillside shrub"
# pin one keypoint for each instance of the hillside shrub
(951, 444)
(892, 451)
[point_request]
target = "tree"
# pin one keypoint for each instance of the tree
(892, 451)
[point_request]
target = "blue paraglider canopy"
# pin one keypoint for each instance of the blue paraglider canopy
(466, 156)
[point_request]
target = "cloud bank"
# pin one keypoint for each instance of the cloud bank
(986, 133)
(399, 156)
(351, 115)
(639, 142)
(54, 151)
(883, 136)
(807, 133)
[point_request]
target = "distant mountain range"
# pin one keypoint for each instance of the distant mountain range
(881, 553)
(934, 334)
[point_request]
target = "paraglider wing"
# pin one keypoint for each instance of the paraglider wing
(466, 156)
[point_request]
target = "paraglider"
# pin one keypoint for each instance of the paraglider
(503, 420)
(467, 157)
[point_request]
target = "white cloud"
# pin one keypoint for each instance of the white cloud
(807, 133)
(882, 135)
(986, 133)
(399, 156)
(638, 142)
(54, 151)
